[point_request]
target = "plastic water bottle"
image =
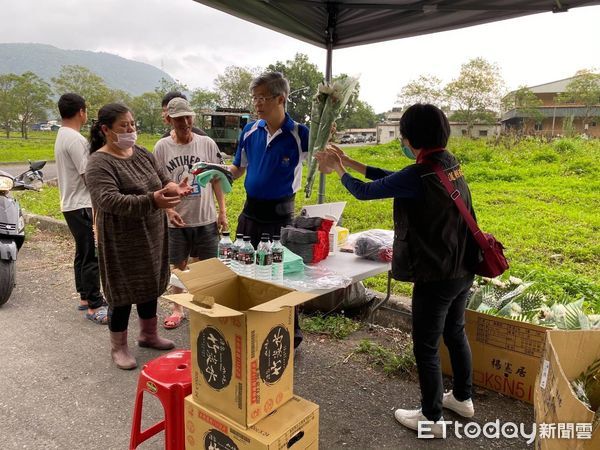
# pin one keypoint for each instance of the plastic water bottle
(277, 251)
(225, 248)
(246, 258)
(235, 252)
(264, 259)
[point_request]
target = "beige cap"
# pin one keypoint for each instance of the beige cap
(179, 107)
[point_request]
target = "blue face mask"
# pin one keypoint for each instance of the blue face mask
(408, 153)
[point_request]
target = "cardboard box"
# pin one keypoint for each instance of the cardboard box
(506, 354)
(242, 346)
(293, 426)
(567, 354)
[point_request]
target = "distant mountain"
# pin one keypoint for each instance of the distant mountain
(45, 61)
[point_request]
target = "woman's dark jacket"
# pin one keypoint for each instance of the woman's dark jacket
(431, 239)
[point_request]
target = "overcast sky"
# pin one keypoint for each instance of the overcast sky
(194, 43)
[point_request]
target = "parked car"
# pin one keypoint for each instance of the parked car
(371, 138)
(347, 139)
(360, 138)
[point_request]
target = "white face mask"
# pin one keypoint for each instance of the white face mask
(125, 140)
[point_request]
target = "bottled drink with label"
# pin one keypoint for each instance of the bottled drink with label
(264, 259)
(246, 258)
(235, 252)
(277, 252)
(225, 248)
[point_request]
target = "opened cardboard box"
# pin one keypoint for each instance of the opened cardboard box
(293, 426)
(567, 354)
(506, 354)
(241, 338)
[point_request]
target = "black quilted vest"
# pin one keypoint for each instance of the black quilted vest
(431, 240)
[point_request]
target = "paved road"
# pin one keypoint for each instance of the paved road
(59, 389)
(49, 169)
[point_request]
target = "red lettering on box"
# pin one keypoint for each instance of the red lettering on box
(213, 422)
(238, 356)
(254, 382)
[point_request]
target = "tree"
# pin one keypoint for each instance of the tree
(233, 87)
(165, 86)
(425, 89)
(118, 96)
(304, 78)
(80, 80)
(33, 97)
(359, 115)
(527, 104)
(147, 110)
(9, 112)
(583, 90)
(475, 94)
(203, 99)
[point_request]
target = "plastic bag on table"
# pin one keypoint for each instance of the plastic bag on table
(315, 277)
(375, 245)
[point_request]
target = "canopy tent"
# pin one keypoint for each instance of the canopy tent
(346, 23)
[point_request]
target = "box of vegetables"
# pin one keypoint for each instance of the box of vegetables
(506, 324)
(567, 391)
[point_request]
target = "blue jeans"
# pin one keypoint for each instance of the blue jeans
(438, 309)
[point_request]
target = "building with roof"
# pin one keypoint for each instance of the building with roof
(389, 128)
(555, 118)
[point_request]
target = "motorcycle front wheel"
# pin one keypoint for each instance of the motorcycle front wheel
(7, 279)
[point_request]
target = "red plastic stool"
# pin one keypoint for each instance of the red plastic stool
(169, 378)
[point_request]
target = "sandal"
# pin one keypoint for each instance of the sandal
(173, 321)
(100, 316)
(85, 306)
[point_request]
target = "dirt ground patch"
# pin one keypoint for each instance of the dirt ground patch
(75, 397)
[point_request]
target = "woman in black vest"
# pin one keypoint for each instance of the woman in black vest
(433, 248)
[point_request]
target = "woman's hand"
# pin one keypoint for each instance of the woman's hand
(164, 199)
(329, 161)
(338, 151)
(178, 190)
(175, 218)
(222, 223)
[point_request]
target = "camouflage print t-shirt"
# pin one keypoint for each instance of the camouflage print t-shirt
(198, 208)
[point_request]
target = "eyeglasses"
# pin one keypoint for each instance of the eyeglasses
(262, 99)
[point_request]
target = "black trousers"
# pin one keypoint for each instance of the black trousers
(438, 309)
(85, 264)
(118, 318)
(254, 229)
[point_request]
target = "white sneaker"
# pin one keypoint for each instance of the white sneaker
(410, 418)
(464, 408)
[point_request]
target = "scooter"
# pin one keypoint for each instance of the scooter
(12, 224)
(34, 176)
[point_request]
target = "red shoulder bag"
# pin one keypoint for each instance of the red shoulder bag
(494, 262)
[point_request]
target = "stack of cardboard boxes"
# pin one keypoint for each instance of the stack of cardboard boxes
(241, 336)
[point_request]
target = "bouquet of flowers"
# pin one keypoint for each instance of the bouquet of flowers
(327, 105)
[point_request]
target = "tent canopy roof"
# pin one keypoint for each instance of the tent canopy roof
(345, 23)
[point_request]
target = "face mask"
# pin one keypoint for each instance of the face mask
(125, 140)
(408, 153)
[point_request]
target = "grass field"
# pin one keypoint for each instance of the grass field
(542, 200)
(40, 145)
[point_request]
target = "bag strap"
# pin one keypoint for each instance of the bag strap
(460, 204)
